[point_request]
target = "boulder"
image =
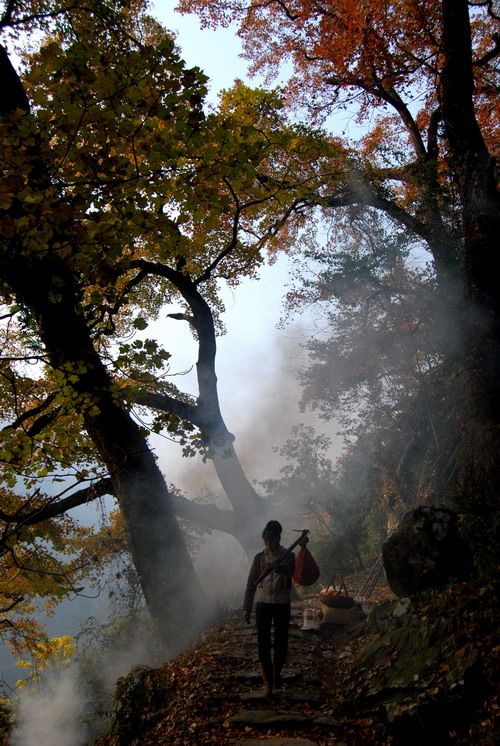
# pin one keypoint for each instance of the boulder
(425, 551)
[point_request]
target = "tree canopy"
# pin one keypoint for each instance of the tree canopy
(422, 80)
(391, 66)
(121, 191)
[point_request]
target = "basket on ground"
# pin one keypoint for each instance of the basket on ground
(337, 606)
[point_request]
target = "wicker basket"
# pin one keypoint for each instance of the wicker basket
(336, 595)
(337, 602)
(339, 616)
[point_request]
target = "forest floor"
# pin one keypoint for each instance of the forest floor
(212, 693)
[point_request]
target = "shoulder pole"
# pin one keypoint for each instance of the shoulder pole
(286, 553)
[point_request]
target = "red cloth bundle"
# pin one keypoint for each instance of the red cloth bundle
(306, 569)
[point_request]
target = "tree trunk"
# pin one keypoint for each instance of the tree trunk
(247, 505)
(480, 203)
(249, 510)
(172, 591)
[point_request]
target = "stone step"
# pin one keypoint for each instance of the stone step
(269, 719)
(287, 675)
(235, 654)
(282, 694)
(276, 742)
(265, 719)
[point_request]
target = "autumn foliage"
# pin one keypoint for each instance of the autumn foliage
(120, 192)
(383, 65)
(420, 79)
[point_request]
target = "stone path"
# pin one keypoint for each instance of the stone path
(303, 684)
(212, 693)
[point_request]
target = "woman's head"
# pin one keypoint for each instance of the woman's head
(272, 534)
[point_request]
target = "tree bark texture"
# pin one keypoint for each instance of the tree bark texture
(480, 206)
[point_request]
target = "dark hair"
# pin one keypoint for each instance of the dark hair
(272, 530)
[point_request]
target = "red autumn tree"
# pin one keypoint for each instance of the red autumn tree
(422, 78)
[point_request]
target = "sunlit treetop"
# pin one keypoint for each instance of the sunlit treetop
(136, 168)
(372, 53)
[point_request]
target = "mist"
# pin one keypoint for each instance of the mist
(52, 715)
(67, 708)
(257, 366)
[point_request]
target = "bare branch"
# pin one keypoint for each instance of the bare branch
(6, 609)
(166, 403)
(52, 510)
(40, 423)
(206, 515)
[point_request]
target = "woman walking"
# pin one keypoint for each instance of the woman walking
(272, 603)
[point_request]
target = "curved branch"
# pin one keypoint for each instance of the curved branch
(6, 609)
(291, 16)
(391, 97)
(206, 414)
(231, 245)
(203, 323)
(369, 197)
(81, 497)
(494, 52)
(491, 12)
(206, 515)
(166, 403)
(430, 229)
(40, 423)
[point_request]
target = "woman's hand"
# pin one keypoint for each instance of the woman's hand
(247, 617)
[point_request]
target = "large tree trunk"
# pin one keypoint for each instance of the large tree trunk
(172, 591)
(248, 509)
(480, 203)
(248, 512)
(49, 289)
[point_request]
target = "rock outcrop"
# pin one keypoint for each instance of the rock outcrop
(415, 676)
(425, 551)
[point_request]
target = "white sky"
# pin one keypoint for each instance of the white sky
(215, 52)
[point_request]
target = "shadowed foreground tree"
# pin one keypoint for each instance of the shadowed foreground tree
(423, 78)
(119, 195)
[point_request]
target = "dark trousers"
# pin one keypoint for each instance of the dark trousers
(265, 616)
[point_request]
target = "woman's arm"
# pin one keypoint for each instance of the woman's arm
(287, 567)
(253, 575)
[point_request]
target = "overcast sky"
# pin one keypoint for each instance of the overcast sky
(216, 52)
